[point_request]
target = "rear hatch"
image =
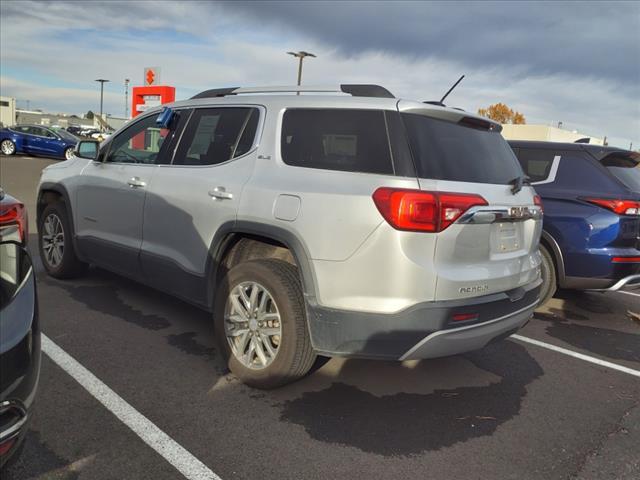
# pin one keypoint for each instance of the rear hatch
(625, 166)
(492, 246)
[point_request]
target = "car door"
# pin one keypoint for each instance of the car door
(190, 199)
(111, 195)
(52, 143)
(33, 139)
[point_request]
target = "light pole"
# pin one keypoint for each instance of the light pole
(102, 82)
(126, 98)
(301, 55)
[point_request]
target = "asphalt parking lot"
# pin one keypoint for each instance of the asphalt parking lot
(513, 410)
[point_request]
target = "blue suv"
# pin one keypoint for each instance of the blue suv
(591, 199)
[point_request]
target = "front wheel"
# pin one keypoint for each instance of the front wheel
(56, 245)
(68, 153)
(8, 147)
(261, 325)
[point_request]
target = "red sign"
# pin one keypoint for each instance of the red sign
(150, 77)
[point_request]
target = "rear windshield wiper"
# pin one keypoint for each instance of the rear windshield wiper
(518, 182)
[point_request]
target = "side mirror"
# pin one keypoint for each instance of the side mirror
(165, 117)
(87, 149)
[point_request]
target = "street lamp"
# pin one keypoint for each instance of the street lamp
(102, 82)
(126, 97)
(301, 56)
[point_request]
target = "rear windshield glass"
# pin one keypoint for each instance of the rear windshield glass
(448, 151)
(336, 139)
(625, 168)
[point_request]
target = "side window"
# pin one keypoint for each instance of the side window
(215, 135)
(36, 131)
(140, 143)
(336, 139)
(537, 164)
(48, 133)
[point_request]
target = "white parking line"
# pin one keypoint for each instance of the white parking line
(169, 449)
(571, 353)
(628, 293)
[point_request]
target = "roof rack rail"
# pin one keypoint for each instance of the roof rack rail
(356, 90)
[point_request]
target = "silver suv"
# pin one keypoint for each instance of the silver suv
(336, 222)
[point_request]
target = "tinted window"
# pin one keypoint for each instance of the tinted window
(140, 143)
(215, 135)
(626, 168)
(449, 151)
(578, 171)
(536, 163)
(336, 139)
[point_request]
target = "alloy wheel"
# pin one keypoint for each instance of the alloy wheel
(252, 325)
(8, 147)
(53, 240)
(68, 153)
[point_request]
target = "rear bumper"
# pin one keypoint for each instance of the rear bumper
(424, 330)
(632, 281)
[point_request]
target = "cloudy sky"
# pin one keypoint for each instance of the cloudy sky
(578, 63)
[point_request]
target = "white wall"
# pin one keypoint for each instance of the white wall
(8, 112)
(545, 133)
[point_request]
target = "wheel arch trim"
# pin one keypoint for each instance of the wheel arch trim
(226, 233)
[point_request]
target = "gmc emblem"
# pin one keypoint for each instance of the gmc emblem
(519, 212)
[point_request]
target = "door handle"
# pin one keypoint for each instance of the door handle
(220, 193)
(135, 182)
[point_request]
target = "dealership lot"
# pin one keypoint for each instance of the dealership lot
(513, 410)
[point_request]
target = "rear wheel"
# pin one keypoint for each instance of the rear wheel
(56, 245)
(8, 147)
(261, 323)
(549, 279)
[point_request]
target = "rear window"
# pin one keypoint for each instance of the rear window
(449, 151)
(336, 139)
(626, 168)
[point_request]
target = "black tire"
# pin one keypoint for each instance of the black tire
(549, 278)
(295, 355)
(9, 146)
(70, 266)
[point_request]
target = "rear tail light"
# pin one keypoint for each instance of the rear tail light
(420, 211)
(15, 214)
(464, 317)
(625, 259)
(6, 446)
(621, 207)
(537, 201)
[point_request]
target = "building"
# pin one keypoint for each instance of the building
(7, 112)
(547, 133)
(36, 117)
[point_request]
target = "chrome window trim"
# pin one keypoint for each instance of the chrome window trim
(552, 173)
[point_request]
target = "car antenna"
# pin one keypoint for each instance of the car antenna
(451, 89)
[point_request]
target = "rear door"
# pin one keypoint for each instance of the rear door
(197, 193)
(491, 248)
